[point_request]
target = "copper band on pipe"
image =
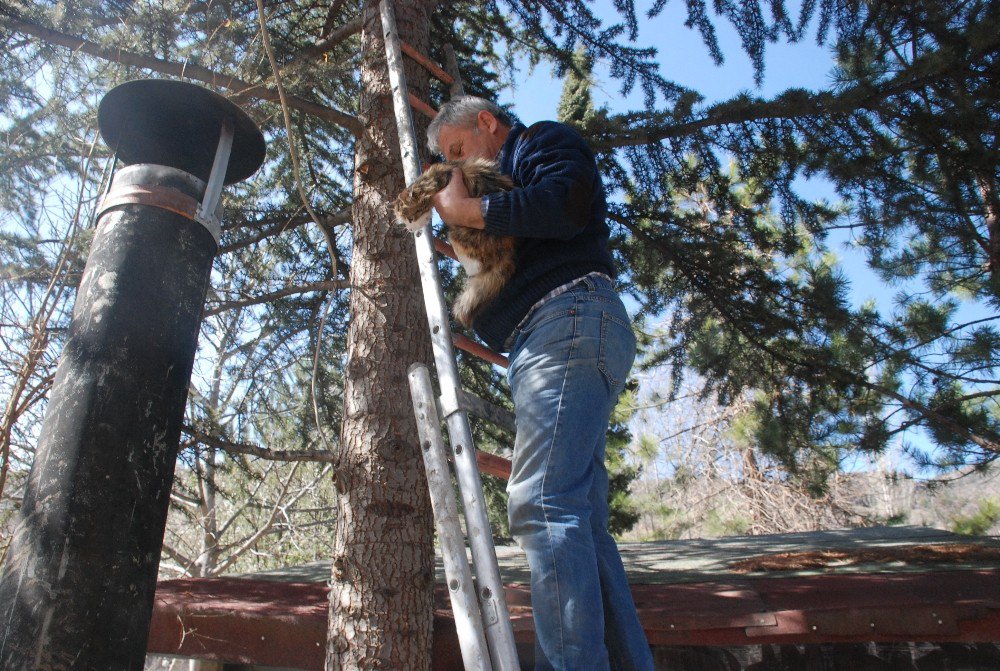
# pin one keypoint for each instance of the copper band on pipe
(163, 197)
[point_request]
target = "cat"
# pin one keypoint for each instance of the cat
(488, 259)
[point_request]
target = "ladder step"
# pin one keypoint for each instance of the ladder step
(422, 107)
(428, 64)
(442, 247)
(492, 464)
(481, 351)
(489, 411)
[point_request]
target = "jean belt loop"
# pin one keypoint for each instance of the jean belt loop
(591, 285)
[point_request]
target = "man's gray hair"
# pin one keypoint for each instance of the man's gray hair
(462, 112)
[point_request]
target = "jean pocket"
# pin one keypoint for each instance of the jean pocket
(617, 350)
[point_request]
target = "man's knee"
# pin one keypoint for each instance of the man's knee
(524, 511)
(532, 514)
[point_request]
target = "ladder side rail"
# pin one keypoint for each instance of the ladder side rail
(434, 302)
(491, 464)
(462, 592)
(493, 603)
(492, 600)
(440, 246)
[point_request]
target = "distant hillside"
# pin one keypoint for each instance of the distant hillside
(674, 508)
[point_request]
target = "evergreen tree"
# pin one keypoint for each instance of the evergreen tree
(576, 104)
(907, 136)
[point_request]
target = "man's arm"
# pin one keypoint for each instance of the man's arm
(559, 176)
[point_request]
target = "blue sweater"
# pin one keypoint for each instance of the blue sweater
(557, 211)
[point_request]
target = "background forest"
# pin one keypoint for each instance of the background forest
(766, 400)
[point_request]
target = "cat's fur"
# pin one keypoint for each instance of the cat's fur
(488, 259)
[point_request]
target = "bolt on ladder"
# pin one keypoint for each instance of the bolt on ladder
(482, 620)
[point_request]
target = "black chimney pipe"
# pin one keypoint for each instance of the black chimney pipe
(76, 589)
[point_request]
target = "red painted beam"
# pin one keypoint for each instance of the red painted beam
(272, 623)
(937, 606)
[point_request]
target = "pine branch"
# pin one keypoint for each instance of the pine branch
(792, 104)
(184, 563)
(328, 42)
(240, 88)
(990, 443)
(285, 224)
(331, 17)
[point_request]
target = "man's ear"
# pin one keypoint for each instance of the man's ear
(488, 121)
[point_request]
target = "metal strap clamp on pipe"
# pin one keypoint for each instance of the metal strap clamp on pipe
(207, 212)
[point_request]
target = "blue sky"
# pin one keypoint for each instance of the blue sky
(684, 58)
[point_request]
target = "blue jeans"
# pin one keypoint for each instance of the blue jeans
(568, 365)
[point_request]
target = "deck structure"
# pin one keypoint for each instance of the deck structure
(884, 585)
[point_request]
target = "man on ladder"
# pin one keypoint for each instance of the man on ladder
(571, 348)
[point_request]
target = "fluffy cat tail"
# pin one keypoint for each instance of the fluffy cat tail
(480, 291)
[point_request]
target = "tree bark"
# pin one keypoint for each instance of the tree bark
(381, 587)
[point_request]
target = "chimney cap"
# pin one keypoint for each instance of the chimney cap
(177, 124)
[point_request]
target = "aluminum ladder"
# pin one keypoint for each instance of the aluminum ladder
(482, 620)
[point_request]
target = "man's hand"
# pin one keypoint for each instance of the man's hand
(455, 206)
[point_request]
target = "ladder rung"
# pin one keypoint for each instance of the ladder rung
(422, 107)
(491, 464)
(428, 64)
(442, 247)
(475, 349)
(488, 411)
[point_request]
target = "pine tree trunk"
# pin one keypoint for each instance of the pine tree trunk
(381, 588)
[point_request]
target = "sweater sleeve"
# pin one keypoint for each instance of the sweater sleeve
(557, 175)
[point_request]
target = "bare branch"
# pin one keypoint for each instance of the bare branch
(328, 42)
(793, 104)
(273, 296)
(328, 222)
(322, 456)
